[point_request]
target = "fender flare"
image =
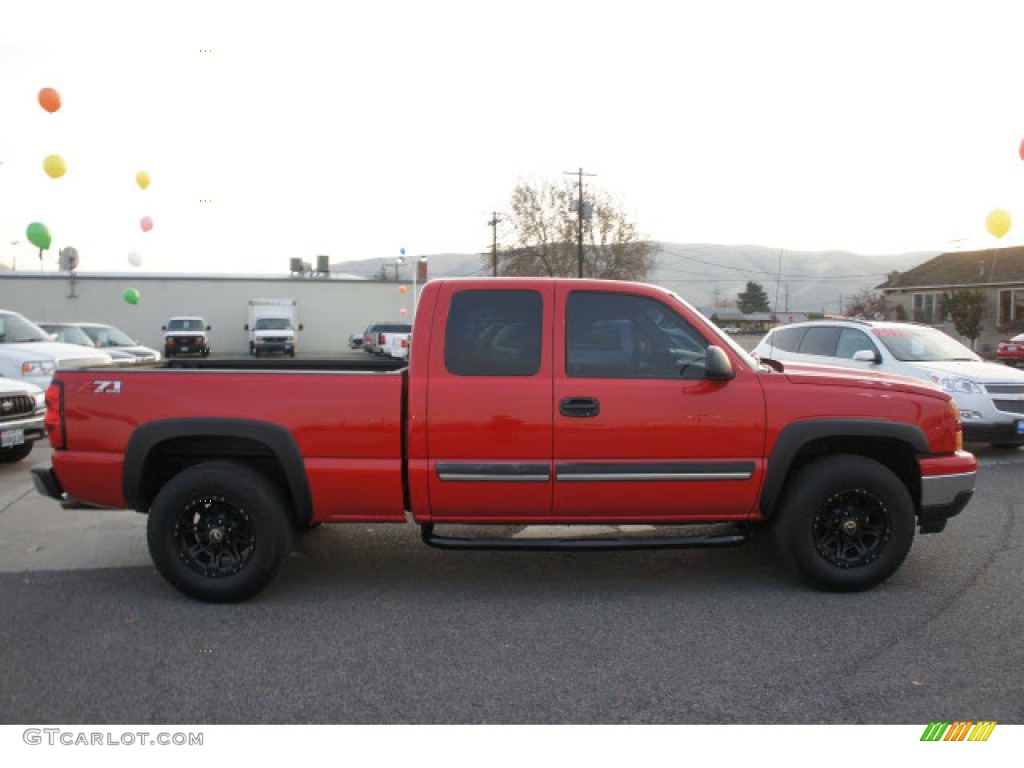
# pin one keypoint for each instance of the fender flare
(794, 437)
(278, 440)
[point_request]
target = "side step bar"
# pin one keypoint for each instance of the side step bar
(593, 544)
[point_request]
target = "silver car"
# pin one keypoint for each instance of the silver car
(990, 396)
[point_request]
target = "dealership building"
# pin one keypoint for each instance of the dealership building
(330, 307)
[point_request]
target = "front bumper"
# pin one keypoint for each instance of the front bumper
(32, 426)
(1007, 433)
(947, 484)
(274, 346)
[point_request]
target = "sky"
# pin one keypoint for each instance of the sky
(275, 130)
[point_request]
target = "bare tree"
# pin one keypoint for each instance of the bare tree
(965, 307)
(546, 231)
(867, 304)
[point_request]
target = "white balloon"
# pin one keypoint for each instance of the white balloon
(134, 259)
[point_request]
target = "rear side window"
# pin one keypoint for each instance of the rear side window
(787, 339)
(494, 333)
(820, 341)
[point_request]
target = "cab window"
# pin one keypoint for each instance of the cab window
(494, 333)
(613, 335)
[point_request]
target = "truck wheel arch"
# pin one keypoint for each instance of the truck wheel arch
(196, 440)
(803, 441)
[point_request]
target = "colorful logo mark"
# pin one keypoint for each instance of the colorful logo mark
(959, 730)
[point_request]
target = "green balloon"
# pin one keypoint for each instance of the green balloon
(38, 235)
(131, 296)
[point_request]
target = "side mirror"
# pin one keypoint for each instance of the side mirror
(246, 327)
(163, 327)
(866, 356)
(209, 328)
(300, 326)
(716, 365)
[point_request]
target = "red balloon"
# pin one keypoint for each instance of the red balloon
(49, 99)
(1022, 149)
(146, 223)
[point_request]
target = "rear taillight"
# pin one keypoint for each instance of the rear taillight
(959, 426)
(54, 419)
(405, 343)
(383, 339)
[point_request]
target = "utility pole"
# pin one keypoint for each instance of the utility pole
(778, 277)
(493, 224)
(579, 211)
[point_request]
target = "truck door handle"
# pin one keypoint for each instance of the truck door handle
(579, 407)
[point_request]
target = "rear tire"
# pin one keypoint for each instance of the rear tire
(219, 532)
(845, 524)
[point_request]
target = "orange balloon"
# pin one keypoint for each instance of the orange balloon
(49, 99)
(402, 289)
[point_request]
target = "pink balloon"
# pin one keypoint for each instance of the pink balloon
(146, 223)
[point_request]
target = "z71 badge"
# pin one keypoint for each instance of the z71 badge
(101, 387)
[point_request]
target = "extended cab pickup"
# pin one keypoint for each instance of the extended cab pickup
(525, 402)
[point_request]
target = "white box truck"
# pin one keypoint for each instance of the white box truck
(273, 326)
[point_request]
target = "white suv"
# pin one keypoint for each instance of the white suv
(990, 396)
(28, 353)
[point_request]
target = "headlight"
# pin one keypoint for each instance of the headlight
(38, 368)
(955, 384)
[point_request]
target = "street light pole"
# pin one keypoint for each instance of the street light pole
(415, 278)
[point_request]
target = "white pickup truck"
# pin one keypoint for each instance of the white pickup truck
(394, 344)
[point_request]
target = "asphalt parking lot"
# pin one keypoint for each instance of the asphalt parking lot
(366, 625)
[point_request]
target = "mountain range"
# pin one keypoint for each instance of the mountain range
(710, 275)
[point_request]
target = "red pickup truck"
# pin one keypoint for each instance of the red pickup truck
(525, 402)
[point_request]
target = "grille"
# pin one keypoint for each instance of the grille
(1009, 406)
(1005, 389)
(15, 406)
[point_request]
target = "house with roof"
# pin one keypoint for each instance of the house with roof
(916, 294)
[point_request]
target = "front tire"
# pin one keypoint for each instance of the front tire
(15, 453)
(846, 523)
(219, 532)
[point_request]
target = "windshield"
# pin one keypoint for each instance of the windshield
(69, 334)
(16, 329)
(920, 344)
(185, 324)
(108, 336)
(273, 324)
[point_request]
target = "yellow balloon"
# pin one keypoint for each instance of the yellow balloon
(998, 222)
(54, 166)
(142, 179)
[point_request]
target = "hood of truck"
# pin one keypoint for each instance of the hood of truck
(64, 355)
(824, 375)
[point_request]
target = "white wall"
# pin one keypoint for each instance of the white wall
(329, 309)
